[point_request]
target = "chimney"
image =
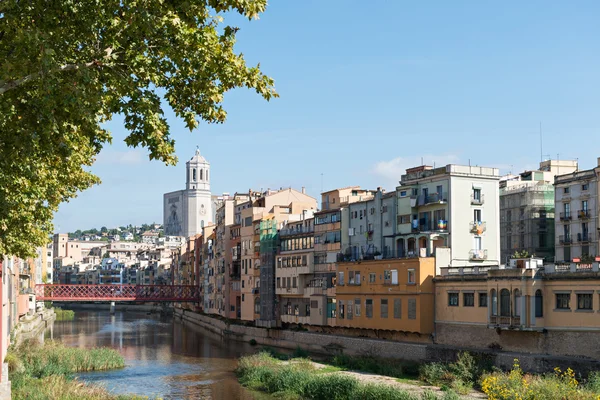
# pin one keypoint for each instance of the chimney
(304, 189)
(599, 161)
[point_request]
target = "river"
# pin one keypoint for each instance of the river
(164, 358)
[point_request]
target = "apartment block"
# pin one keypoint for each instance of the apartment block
(576, 223)
(523, 306)
(371, 227)
(295, 283)
(527, 210)
(395, 294)
(457, 199)
(330, 228)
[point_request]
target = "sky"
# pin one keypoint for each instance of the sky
(369, 89)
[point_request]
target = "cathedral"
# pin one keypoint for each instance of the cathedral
(186, 212)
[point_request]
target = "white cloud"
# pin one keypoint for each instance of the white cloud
(392, 170)
(128, 157)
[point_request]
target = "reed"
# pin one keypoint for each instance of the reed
(64, 315)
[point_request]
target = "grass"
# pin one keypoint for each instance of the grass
(64, 315)
(298, 379)
(394, 368)
(45, 371)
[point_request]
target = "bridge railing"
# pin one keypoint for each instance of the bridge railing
(116, 292)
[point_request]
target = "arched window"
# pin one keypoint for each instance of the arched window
(206, 175)
(517, 303)
(194, 174)
(504, 303)
(539, 304)
(494, 302)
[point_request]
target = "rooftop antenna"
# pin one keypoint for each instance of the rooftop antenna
(422, 161)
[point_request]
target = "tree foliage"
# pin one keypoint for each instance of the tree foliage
(68, 66)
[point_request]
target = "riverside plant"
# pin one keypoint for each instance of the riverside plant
(64, 315)
(515, 385)
(299, 379)
(45, 371)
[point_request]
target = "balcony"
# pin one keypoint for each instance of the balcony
(585, 237)
(565, 239)
(565, 216)
(584, 214)
(477, 200)
(296, 231)
(434, 198)
(477, 227)
(505, 321)
(478, 255)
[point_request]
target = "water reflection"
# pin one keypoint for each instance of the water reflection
(164, 358)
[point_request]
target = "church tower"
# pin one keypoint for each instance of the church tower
(197, 194)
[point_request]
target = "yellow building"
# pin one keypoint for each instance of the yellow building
(527, 307)
(393, 294)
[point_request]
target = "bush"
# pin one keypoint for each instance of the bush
(253, 342)
(516, 385)
(435, 374)
(383, 392)
(64, 315)
(331, 387)
(300, 353)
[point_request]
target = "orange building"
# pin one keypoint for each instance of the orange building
(393, 294)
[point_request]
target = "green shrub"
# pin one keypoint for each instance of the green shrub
(331, 387)
(593, 382)
(253, 342)
(382, 392)
(434, 373)
(450, 395)
(64, 315)
(387, 367)
(300, 353)
(429, 395)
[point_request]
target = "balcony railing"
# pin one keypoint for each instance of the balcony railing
(505, 321)
(584, 214)
(477, 200)
(585, 237)
(565, 216)
(434, 198)
(477, 227)
(296, 231)
(565, 239)
(478, 255)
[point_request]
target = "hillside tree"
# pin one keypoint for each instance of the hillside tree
(68, 66)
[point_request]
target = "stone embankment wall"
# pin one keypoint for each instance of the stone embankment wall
(155, 308)
(30, 326)
(328, 344)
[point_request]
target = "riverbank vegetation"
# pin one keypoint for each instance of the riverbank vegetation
(559, 385)
(45, 371)
(299, 379)
(64, 315)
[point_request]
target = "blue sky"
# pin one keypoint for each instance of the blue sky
(367, 89)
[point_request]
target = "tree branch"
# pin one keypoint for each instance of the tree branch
(6, 86)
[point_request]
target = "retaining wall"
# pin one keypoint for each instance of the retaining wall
(328, 344)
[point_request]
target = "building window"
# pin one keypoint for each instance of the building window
(294, 283)
(341, 309)
(341, 279)
(372, 277)
(453, 299)
(483, 300)
(468, 299)
(494, 303)
(403, 193)
(411, 276)
(585, 301)
(562, 301)
(412, 308)
(477, 195)
(517, 303)
(398, 308)
(504, 303)
(585, 186)
(369, 308)
(566, 190)
(384, 308)
(357, 307)
(539, 304)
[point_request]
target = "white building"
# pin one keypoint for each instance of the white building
(576, 215)
(450, 212)
(186, 211)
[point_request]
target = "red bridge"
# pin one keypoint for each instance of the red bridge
(149, 293)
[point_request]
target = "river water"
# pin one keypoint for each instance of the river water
(164, 358)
